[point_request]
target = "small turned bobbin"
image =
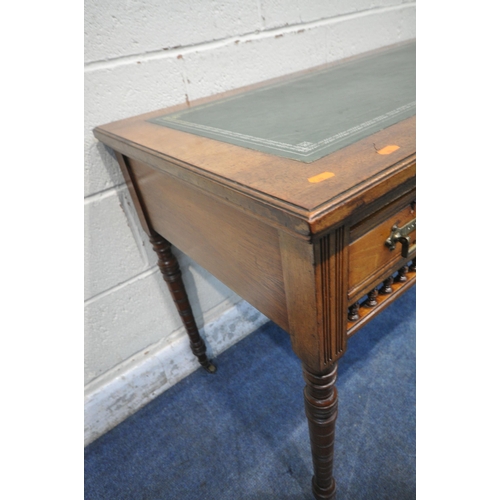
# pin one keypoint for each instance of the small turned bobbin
(386, 287)
(401, 277)
(353, 315)
(372, 298)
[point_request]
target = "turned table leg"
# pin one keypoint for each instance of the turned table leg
(320, 395)
(171, 272)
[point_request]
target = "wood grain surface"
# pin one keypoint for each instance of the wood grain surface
(277, 189)
(239, 250)
(302, 242)
(369, 254)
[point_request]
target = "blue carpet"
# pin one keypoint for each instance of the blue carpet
(242, 434)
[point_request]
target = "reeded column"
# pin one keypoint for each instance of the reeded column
(172, 275)
(320, 395)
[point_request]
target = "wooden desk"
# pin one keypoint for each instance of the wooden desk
(299, 194)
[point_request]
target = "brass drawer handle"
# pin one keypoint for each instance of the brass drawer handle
(400, 234)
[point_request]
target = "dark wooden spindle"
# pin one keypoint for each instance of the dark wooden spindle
(386, 287)
(401, 277)
(372, 298)
(353, 315)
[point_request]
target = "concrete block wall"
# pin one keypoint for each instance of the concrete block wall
(143, 55)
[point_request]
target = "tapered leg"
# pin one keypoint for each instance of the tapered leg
(320, 396)
(171, 272)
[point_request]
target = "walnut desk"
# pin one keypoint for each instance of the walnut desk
(299, 194)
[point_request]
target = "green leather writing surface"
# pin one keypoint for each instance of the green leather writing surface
(313, 115)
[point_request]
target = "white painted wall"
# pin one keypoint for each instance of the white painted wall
(144, 55)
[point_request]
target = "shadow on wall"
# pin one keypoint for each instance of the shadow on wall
(188, 267)
(109, 161)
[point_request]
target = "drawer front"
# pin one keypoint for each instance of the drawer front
(369, 256)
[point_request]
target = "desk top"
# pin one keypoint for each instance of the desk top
(347, 125)
(310, 116)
